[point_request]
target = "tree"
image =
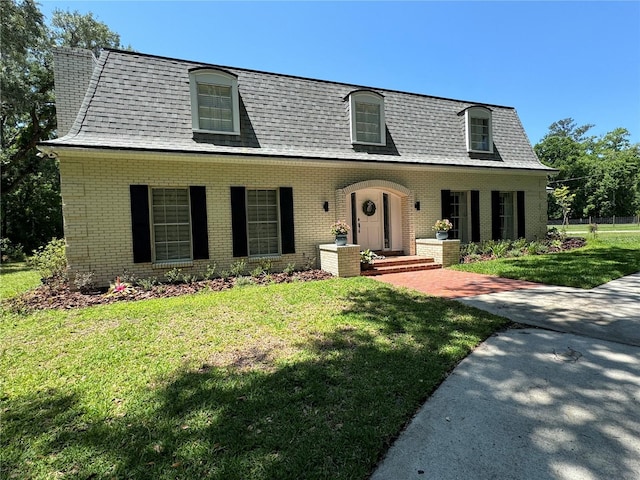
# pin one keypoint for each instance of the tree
(603, 172)
(564, 198)
(31, 212)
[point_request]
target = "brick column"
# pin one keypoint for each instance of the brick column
(340, 261)
(445, 252)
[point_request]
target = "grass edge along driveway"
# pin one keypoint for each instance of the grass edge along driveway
(310, 380)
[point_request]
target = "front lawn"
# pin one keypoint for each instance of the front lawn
(303, 380)
(605, 258)
(16, 278)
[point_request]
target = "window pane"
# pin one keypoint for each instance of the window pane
(171, 224)
(215, 107)
(262, 216)
(367, 122)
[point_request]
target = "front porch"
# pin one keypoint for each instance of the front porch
(344, 261)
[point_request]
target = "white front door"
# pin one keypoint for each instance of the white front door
(369, 217)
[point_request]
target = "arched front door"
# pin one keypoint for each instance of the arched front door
(376, 217)
(369, 219)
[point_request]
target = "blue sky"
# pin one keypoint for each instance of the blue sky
(549, 60)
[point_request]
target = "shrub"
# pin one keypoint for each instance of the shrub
(50, 260)
(85, 282)
(10, 251)
(238, 268)
(147, 283)
(290, 268)
(210, 271)
(257, 272)
(244, 281)
(174, 275)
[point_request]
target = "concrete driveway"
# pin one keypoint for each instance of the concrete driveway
(609, 312)
(537, 404)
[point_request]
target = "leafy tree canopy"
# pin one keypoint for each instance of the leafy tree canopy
(603, 172)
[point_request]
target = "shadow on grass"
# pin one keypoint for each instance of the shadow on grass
(330, 413)
(7, 268)
(584, 268)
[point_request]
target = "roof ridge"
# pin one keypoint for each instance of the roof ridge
(299, 77)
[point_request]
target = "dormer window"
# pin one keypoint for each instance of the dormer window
(479, 129)
(214, 102)
(367, 118)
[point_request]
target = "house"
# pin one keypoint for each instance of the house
(170, 163)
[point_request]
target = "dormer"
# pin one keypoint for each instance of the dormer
(214, 101)
(367, 118)
(478, 128)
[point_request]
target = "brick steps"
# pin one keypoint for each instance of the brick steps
(399, 264)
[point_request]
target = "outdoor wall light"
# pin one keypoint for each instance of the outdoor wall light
(325, 205)
(417, 205)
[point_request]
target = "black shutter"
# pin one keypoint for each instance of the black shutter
(520, 214)
(199, 235)
(140, 228)
(445, 203)
(495, 215)
(475, 215)
(239, 221)
(286, 220)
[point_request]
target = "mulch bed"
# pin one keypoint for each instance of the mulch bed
(58, 295)
(569, 243)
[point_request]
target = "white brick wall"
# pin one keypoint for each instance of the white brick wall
(72, 72)
(97, 216)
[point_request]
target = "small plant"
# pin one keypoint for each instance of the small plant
(85, 282)
(593, 229)
(244, 281)
(266, 264)
(189, 278)
(147, 283)
(120, 288)
(257, 272)
(50, 260)
(367, 257)
(289, 269)
(340, 228)
(238, 268)
(210, 271)
(174, 275)
(442, 226)
(225, 274)
(309, 263)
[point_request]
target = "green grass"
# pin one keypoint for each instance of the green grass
(305, 380)
(602, 227)
(16, 278)
(605, 258)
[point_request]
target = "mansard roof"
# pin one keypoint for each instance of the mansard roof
(142, 102)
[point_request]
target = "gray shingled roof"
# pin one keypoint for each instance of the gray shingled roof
(142, 102)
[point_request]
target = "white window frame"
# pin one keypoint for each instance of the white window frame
(153, 222)
(480, 113)
(461, 221)
(277, 222)
(220, 78)
(371, 98)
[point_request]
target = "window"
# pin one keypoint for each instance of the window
(171, 224)
(506, 215)
(367, 118)
(214, 102)
(479, 129)
(262, 222)
(160, 221)
(458, 216)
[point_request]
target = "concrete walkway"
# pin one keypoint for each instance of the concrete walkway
(528, 404)
(534, 403)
